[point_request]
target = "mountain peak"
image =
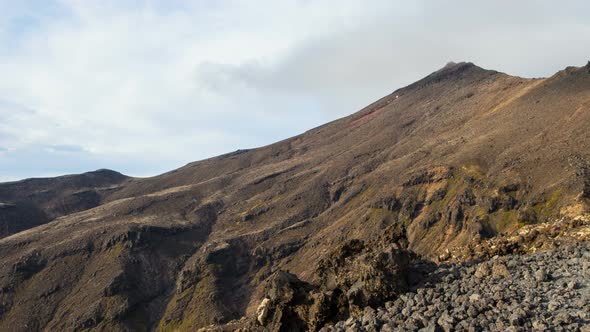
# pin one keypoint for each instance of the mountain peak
(452, 64)
(453, 70)
(457, 68)
(106, 172)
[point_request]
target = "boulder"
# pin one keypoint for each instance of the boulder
(483, 271)
(291, 304)
(356, 276)
(541, 275)
(499, 271)
(262, 311)
(369, 274)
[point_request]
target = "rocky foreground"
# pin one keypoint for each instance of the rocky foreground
(542, 291)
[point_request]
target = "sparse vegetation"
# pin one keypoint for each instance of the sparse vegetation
(196, 246)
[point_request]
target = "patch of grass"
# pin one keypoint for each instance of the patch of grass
(431, 237)
(454, 185)
(117, 250)
(506, 219)
(377, 213)
(195, 307)
(365, 194)
(177, 300)
(549, 207)
(257, 204)
(480, 211)
(474, 171)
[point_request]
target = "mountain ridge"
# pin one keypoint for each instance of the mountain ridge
(462, 155)
(36, 201)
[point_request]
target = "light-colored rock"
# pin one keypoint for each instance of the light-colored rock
(499, 271)
(262, 311)
(483, 271)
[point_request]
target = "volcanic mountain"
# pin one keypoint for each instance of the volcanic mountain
(463, 155)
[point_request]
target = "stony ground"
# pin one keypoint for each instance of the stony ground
(543, 291)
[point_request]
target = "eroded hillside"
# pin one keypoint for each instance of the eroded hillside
(33, 202)
(460, 156)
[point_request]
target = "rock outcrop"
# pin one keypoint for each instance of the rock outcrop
(355, 276)
(367, 274)
(546, 291)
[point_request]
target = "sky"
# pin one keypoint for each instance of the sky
(144, 87)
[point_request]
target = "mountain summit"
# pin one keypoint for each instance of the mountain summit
(463, 156)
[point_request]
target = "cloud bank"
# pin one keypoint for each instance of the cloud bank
(147, 86)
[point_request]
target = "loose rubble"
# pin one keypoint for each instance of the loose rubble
(542, 291)
(524, 240)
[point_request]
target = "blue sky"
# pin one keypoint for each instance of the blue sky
(144, 87)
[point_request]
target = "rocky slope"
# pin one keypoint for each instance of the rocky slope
(543, 291)
(523, 281)
(423, 174)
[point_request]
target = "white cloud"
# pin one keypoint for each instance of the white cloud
(146, 88)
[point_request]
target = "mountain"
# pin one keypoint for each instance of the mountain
(458, 158)
(33, 202)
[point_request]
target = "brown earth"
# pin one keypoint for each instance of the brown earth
(460, 156)
(33, 202)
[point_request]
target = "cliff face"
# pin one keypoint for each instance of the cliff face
(457, 157)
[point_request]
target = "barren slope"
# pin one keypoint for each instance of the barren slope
(32, 202)
(463, 154)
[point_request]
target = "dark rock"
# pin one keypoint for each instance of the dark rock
(472, 311)
(293, 305)
(541, 275)
(389, 203)
(369, 274)
(509, 188)
(517, 317)
(562, 318)
(527, 216)
(438, 195)
(466, 198)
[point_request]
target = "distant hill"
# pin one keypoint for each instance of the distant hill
(33, 202)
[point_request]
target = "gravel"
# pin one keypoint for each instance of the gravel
(542, 291)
